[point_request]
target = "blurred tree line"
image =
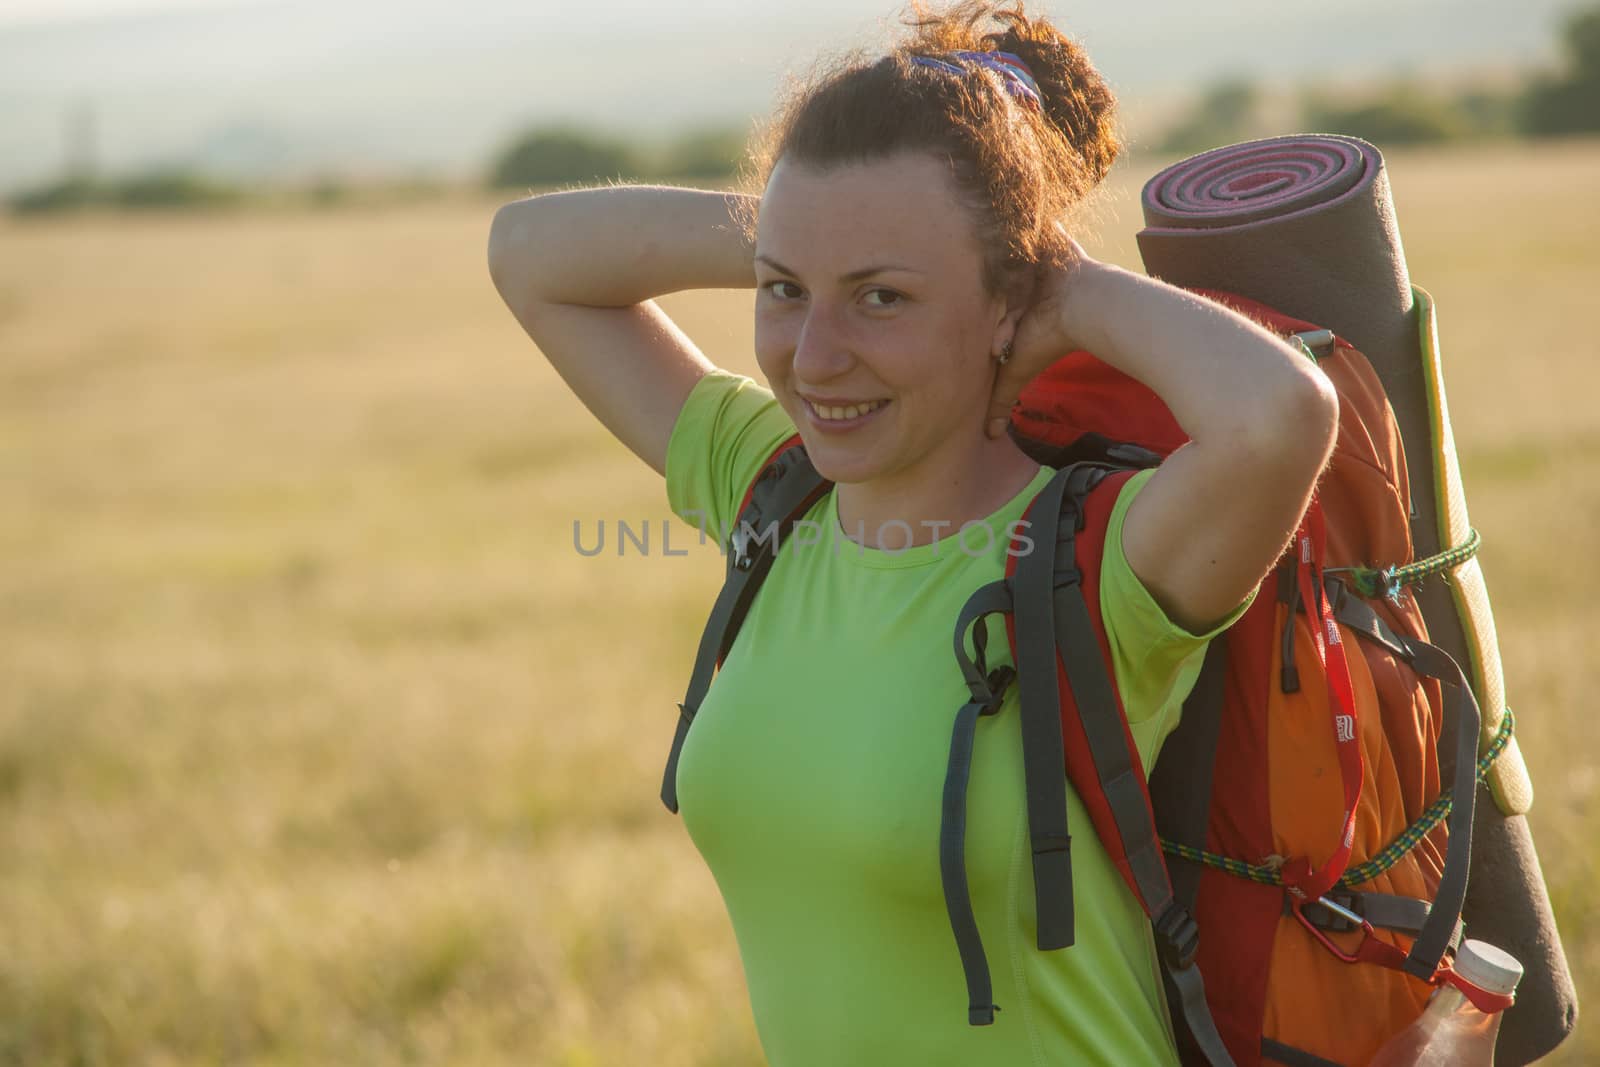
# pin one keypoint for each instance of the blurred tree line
(156, 189)
(1550, 104)
(561, 155)
(1404, 113)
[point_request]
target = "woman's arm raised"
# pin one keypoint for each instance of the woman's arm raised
(1260, 417)
(578, 269)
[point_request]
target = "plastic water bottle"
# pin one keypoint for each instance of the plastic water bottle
(1451, 1032)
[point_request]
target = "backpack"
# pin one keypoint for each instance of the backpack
(1296, 815)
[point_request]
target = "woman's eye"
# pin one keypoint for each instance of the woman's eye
(784, 290)
(883, 298)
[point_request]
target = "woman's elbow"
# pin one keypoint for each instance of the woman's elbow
(520, 241)
(1285, 433)
(504, 240)
(1305, 426)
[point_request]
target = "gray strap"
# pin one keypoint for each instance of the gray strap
(1293, 1057)
(953, 865)
(1188, 992)
(785, 489)
(1105, 729)
(1117, 767)
(1043, 757)
(733, 603)
(1387, 911)
(1445, 915)
(988, 691)
(991, 599)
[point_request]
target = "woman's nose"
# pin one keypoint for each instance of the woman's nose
(822, 351)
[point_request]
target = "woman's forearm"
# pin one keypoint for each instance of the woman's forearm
(1260, 417)
(1223, 377)
(620, 246)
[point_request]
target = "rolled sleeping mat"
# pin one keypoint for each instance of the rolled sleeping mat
(1306, 225)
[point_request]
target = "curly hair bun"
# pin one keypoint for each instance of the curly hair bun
(1076, 99)
(1022, 170)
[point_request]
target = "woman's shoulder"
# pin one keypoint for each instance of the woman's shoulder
(728, 428)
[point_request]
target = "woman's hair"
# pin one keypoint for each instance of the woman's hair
(1020, 169)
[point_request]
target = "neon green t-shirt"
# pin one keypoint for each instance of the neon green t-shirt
(812, 779)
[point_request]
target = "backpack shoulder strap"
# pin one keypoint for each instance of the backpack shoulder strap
(1072, 714)
(1069, 694)
(780, 496)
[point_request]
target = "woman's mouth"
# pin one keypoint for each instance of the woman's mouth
(830, 415)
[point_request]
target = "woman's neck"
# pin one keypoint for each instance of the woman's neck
(936, 497)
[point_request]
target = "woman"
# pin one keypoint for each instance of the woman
(912, 275)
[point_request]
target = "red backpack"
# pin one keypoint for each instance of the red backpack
(1300, 793)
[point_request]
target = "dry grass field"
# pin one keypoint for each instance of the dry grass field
(320, 744)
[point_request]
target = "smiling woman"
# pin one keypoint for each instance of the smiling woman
(914, 267)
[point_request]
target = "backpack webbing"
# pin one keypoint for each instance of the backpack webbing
(1052, 619)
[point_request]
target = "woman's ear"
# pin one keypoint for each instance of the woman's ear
(1020, 286)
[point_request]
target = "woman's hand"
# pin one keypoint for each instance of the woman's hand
(1047, 331)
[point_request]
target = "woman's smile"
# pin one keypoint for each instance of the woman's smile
(832, 415)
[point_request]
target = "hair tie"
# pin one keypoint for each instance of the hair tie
(1014, 73)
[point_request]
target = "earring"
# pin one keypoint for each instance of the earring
(1005, 353)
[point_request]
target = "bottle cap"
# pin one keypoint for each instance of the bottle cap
(1487, 967)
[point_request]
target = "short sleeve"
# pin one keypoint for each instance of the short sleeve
(1156, 660)
(728, 428)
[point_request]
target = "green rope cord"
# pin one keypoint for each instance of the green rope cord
(1433, 815)
(1376, 582)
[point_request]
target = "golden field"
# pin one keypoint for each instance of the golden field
(320, 743)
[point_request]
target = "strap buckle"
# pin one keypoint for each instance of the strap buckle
(1370, 950)
(1316, 344)
(1177, 937)
(742, 559)
(1299, 907)
(1000, 680)
(1338, 914)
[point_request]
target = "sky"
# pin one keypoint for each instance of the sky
(291, 88)
(18, 12)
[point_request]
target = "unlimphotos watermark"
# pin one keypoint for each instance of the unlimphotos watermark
(975, 539)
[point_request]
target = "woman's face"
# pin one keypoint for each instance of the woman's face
(873, 325)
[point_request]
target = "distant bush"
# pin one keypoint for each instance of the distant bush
(708, 153)
(159, 189)
(171, 189)
(564, 155)
(1570, 102)
(328, 191)
(561, 156)
(69, 195)
(1489, 112)
(1225, 113)
(1401, 116)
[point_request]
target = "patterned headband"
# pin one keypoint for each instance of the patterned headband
(1014, 73)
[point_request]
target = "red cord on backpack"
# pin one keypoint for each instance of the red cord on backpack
(1299, 878)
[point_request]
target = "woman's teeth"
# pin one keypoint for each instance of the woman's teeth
(852, 412)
